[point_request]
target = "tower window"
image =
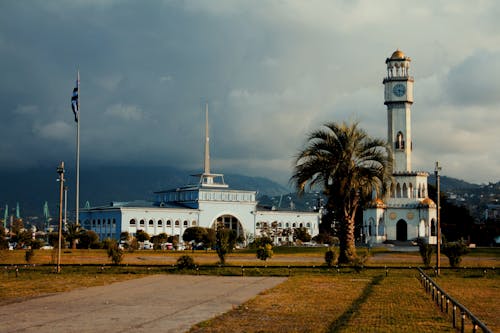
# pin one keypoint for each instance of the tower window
(400, 142)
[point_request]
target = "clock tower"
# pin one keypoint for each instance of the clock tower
(407, 213)
(398, 94)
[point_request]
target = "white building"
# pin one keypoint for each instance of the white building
(408, 213)
(206, 203)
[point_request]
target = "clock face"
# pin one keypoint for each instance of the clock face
(399, 90)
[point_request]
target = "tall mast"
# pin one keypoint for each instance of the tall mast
(207, 143)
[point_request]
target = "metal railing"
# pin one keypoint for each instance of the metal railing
(446, 303)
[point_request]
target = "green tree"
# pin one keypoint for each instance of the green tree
(348, 165)
(454, 251)
(194, 234)
(142, 236)
(89, 240)
(301, 234)
(73, 234)
(4, 243)
(225, 242)
(159, 239)
(209, 238)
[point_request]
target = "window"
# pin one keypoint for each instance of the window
(151, 223)
(141, 222)
(160, 223)
(308, 224)
(132, 222)
(169, 223)
(193, 223)
(294, 225)
(400, 142)
(177, 223)
(185, 223)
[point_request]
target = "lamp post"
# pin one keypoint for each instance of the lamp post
(60, 171)
(438, 217)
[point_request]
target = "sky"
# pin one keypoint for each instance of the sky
(270, 71)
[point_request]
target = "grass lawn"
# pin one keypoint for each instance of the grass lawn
(366, 302)
(311, 300)
(477, 291)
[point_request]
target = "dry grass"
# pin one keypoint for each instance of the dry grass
(480, 294)
(316, 257)
(367, 302)
(33, 283)
(301, 304)
(395, 303)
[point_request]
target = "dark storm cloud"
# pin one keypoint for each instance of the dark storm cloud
(270, 72)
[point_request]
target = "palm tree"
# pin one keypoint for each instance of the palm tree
(73, 234)
(348, 165)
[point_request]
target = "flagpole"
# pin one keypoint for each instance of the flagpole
(77, 203)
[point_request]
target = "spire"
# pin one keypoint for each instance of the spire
(207, 143)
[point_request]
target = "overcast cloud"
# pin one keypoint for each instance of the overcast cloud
(271, 71)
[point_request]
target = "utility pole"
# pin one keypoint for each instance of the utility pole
(438, 233)
(60, 171)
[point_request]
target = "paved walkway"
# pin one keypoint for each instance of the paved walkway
(159, 303)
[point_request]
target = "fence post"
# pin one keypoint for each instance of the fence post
(454, 316)
(447, 304)
(462, 328)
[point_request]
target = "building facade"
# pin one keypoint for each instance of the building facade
(207, 202)
(407, 213)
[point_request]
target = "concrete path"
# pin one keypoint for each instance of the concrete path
(159, 303)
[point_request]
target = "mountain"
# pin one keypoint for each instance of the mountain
(101, 185)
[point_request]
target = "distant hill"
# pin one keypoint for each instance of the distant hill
(452, 184)
(101, 185)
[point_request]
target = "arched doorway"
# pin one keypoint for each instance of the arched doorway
(401, 231)
(230, 222)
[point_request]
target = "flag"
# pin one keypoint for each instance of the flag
(75, 104)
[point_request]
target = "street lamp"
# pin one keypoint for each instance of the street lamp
(60, 172)
(437, 169)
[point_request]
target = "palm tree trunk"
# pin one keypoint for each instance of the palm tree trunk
(347, 245)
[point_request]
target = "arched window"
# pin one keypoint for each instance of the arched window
(160, 223)
(398, 191)
(132, 222)
(141, 223)
(185, 223)
(308, 224)
(193, 223)
(177, 223)
(169, 223)
(400, 142)
(405, 191)
(151, 223)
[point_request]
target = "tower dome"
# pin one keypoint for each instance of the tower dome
(398, 54)
(427, 202)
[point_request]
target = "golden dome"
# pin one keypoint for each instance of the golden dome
(428, 202)
(377, 203)
(398, 54)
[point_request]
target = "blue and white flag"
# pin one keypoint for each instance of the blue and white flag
(75, 103)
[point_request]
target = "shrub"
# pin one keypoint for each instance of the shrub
(185, 262)
(114, 252)
(265, 252)
(426, 251)
(331, 257)
(454, 251)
